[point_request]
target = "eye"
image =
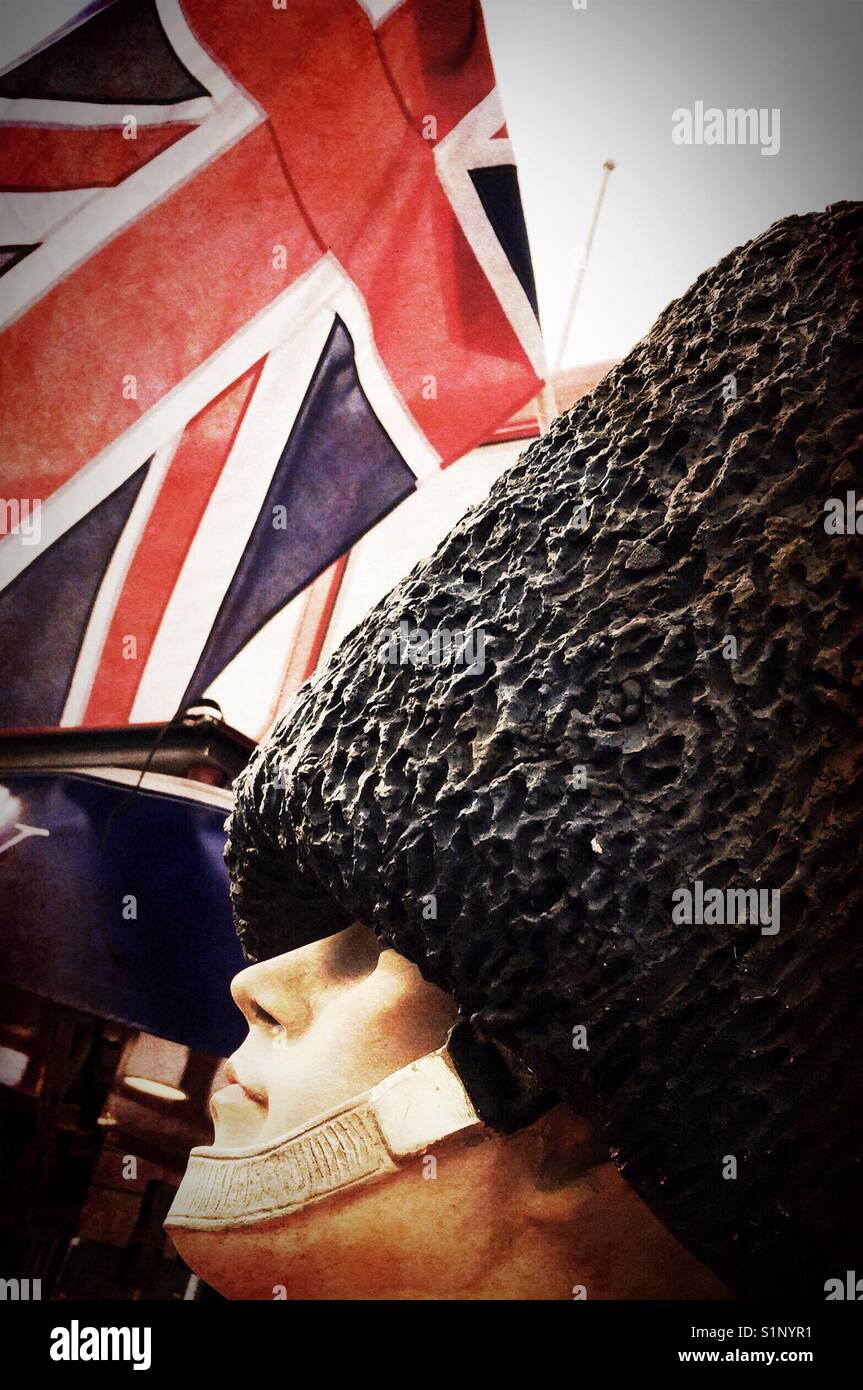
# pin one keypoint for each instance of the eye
(266, 1019)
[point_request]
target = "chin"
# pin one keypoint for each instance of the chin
(237, 1264)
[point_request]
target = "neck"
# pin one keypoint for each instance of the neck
(589, 1239)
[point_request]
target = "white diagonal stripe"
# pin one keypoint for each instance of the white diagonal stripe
(379, 10)
(112, 585)
(59, 115)
(101, 218)
(227, 524)
(107, 470)
(29, 217)
(470, 145)
(236, 503)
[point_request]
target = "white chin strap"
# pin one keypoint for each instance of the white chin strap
(374, 1134)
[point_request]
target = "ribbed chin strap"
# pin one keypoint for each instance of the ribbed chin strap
(372, 1135)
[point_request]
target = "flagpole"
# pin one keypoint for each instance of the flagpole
(607, 168)
(545, 405)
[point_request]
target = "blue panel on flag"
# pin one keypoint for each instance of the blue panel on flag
(11, 255)
(120, 54)
(499, 194)
(339, 473)
(44, 612)
(113, 849)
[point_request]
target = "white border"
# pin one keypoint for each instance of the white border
(29, 217)
(59, 115)
(470, 145)
(380, 10)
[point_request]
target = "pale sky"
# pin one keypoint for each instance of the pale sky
(583, 85)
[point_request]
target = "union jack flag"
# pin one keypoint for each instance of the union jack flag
(264, 270)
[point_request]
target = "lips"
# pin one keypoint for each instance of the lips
(235, 1079)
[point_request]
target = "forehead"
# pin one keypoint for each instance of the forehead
(336, 960)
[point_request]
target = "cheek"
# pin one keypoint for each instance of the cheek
(393, 1018)
(333, 1061)
(410, 1019)
(359, 1037)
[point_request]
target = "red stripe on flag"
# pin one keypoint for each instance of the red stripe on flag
(41, 159)
(155, 303)
(368, 182)
(157, 562)
(437, 57)
(317, 610)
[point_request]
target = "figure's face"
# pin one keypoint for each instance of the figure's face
(326, 1023)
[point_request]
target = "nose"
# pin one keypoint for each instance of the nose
(249, 1064)
(244, 988)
